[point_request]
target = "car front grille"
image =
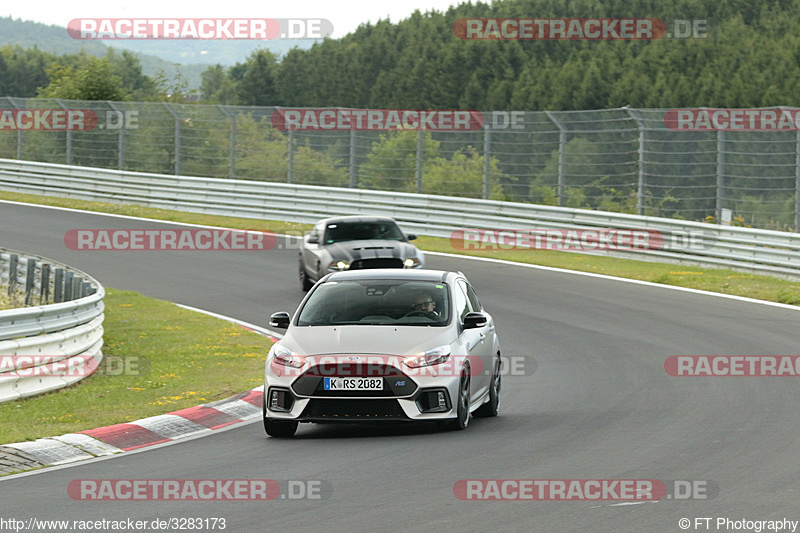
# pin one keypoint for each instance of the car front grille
(388, 262)
(340, 410)
(395, 383)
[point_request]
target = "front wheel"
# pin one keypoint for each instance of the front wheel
(492, 407)
(305, 283)
(462, 409)
(277, 428)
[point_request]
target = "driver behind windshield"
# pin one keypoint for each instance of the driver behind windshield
(425, 303)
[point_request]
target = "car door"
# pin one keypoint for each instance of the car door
(484, 342)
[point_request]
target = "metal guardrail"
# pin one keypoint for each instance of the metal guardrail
(748, 249)
(63, 339)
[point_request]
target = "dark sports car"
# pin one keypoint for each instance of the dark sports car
(355, 243)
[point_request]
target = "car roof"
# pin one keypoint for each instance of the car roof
(356, 218)
(390, 274)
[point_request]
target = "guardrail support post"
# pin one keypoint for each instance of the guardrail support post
(353, 176)
(58, 286)
(68, 286)
(44, 288)
(12, 273)
(487, 164)
(720, 174)
(30, 280)
(77, 283)
(562, 147)
(290, 157)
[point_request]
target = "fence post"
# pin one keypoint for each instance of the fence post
(353, 176)
(231, 143)
(641, 183)
(720, 174)
(797, 184)
(290, 157)
(177, 138)
(120, 135)
(487, 155)
(418, 170)
(68, 135)
(562, 144)
(19, 132)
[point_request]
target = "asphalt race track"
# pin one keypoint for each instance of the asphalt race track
(599, 405)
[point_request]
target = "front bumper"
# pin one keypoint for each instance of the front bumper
(403, 399)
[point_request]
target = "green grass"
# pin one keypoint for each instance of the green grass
(184, 358)
(709, 279)
(10, 302)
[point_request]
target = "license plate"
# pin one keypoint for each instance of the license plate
(353, 384)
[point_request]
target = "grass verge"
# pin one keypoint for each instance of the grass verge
(10, 301)
(158, 358)
(710, 279)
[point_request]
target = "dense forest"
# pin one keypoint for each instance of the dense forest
(750, 58)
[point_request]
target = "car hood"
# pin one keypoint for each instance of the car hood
(386, 340)
(371, 249)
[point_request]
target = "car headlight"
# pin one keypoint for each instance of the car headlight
(339, 265)
(411, 262)
(428, 358)
(286, 357)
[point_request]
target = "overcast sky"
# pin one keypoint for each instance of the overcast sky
(345, 15)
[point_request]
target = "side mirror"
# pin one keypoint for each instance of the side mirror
(312, 239)
(475, 320)
(280, 320)
(411, 236)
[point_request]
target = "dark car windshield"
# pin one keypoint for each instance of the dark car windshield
(377, 302)
(355, 231)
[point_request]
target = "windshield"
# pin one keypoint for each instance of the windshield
(354, 231)
(377, 303)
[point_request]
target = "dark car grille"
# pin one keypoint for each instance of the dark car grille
(387, 262)
(353, 410)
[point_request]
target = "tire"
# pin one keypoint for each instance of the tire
(305, 283)
(277, 428)
(462, 419)
(492, 407)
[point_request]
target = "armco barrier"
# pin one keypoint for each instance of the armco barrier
(68, 334)
(747, 249)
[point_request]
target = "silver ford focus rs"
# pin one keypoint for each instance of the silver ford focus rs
(383, 345)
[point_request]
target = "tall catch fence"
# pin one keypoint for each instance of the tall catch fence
(624, 160)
